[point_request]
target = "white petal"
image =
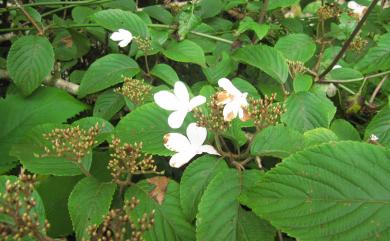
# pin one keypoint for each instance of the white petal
(166, 100)
(181, 92)
(209, 149)
(176, 142)
(353, 5)
(241, 113)
(175, 119)
(197, 101)
(337, 66)
(179, 159)
(196, 134)
(123, 43)
(116, 36)
(230, 111)
(227, 85)
(126, 34)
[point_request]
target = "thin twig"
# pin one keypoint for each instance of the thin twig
(263, 12)
(349, 40)
(28, 16)
(378, 87)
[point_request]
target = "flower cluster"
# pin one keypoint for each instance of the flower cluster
(117, 223)
(265, 112)
(73, 143)
(128, 159)
(18, 203)
(135, 90)
(329, 11)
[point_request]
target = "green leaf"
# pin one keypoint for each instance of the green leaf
(281, 3)
(302, 82)
(345, 130)
(296, 47)
(377, 58)
(54, 190)
(169, 220)
(159, 13)
(89, 201)
(319, 136)
(266, 59)
(210, 8)
(336, 191)
(220, 215)
(18, 115)
(306, 111)
(344, 74)
(108, 104)
(187, 22)
(194, 181)
(33, 144)
(277, 141)
(165, 73)
(148, 124)
(221, 69)
(380, 126)
(185, 51)
(30, 59)
(248, 23)
(107, 71)
(114, 19)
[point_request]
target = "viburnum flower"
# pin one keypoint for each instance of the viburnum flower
(356, 8)
(234, 100)
(122, 36)
(179, 102)
(187, 146)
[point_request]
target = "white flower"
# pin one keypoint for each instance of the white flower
(235, 102)
(187, 147)
(337, 66)
(374, 138)
(122, 36)
(356, 8)
(179, 102)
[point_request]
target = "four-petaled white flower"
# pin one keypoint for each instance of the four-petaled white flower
(122, 36)
(179, 102)
(235, 102)
(187, 146)
(357, 8)
(374, 138)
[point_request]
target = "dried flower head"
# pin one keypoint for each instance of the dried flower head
(265, 112)
(73, 143)
(135, 90)
(296, 67)
(358, 44)
(18, 203)
(329, 11)
(117, 224)
(214, 120)
(128, 159)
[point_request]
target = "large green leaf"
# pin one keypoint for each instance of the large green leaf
(54, 190)
(319, 136)
(380, 126)
(165, 73)
(281, 3)
(148, 124)
(170, 223)
(345, 130)
(337, 191)
(30, 59)
(89, 201)
(185, 51)
(278, 141)
(306, 111)
(107, 71)
(220, 215)
(18, 115)
(266, 59)
(377, 58)
(108, 104)
(114, 19)
(296, 47)
(194, 181)
(221, 69)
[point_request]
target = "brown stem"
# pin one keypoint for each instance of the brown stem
(376, 91)
(280, 236)
(261, 18)
(349, 40)
(31, 19)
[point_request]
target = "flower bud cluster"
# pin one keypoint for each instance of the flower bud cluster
(214, 120)
(128, 159)
(358, 44)
(296, 67)
(135, 90)
(117, 224)
(329, 11)
(17, 202)
(143, 44)
(73, 143)
(265, 112)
